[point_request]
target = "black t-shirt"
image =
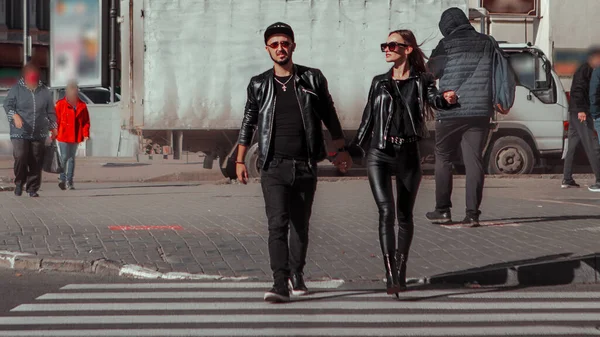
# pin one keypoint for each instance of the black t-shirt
(288, 134)
(401, 122)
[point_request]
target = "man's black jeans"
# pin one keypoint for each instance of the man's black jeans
(470, 134)
(29, 159)
(289, 189)
(582, 133)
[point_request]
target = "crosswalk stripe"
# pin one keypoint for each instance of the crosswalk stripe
(301, 318)
(222, 295)
(391, 304)
(198, 285)
(529, 295)
(279, 332)
(314, 295)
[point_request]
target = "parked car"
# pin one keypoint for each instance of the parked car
(98, 95)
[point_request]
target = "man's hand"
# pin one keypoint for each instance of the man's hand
(501, 110)
(451, 97)
(18, 121)
(54, 133)
(343, 161)
(85, 139)
(582, 116)
(242, 173)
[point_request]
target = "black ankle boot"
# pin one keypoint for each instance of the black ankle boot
(401, 263)
(391, 274)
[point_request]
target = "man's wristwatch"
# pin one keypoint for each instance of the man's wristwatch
(342, 149)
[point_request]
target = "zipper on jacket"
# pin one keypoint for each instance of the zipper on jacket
(303, 122)
(34, 112)
(266, 154)
(389, 119)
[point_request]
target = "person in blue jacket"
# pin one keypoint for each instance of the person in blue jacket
(595, 98)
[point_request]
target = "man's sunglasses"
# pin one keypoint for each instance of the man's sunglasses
(284, 44)
(392, 46)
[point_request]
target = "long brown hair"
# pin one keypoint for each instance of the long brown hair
(417, 58)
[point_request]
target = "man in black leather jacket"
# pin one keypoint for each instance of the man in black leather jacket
(288, 104)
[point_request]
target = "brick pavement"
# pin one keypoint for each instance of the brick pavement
(224, 231)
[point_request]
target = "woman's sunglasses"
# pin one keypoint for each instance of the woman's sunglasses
(284, 44)
(392, 46)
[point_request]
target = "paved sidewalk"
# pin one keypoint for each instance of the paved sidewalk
(223, 232)
(126, 169)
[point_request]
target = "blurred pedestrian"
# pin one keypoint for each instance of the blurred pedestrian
(30, 110)
(595, 97)
(73, 128)
(394, 122)
(581, 122)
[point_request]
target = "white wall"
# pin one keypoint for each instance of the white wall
(201, 54)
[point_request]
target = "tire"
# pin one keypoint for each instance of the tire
(229, 170)
(251, 161)
(510, 156)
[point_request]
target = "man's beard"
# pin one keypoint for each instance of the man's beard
(282, 62)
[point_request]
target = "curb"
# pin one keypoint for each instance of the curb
(554, 271)
(558, 270)
(26, 261)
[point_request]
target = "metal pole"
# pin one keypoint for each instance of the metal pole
(483, 19)
(113, 49)
(25, 31)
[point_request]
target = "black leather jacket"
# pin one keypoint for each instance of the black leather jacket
(380, 108)
(316, 106)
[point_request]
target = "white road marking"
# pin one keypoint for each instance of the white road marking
(332, 284)
(279, 332)
(294, 305)
(300, 318)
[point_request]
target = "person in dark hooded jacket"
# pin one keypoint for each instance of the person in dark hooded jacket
(462, 62)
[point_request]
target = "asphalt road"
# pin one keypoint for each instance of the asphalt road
(51, 304)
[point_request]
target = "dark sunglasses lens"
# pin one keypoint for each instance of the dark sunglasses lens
(383, 45)
(284, 44)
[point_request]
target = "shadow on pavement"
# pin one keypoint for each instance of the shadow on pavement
(550, 270)
(523, 220)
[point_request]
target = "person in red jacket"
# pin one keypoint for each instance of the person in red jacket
(73, 128)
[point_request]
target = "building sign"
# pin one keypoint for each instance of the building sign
(566, 61)
(511, 7)
(76, 42)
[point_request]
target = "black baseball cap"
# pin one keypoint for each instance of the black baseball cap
(278, 28)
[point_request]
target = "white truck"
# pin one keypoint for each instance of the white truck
(186, 64)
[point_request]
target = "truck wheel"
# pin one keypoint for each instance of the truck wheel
(511, 155)
(229, 170)
(252, 162)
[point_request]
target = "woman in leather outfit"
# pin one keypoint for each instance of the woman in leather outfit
(399, 103)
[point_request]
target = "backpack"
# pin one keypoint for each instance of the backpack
(504, 80)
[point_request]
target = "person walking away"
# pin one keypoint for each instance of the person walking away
(595, 97)
(30, 110)
(581, 123)
(463, 62)
(393, 122)
(73, 128)
(288, 104)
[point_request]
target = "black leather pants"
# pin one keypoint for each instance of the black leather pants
(404, 162)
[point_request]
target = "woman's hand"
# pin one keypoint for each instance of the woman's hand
(241, 172)
(451, 97)
(18, 121)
